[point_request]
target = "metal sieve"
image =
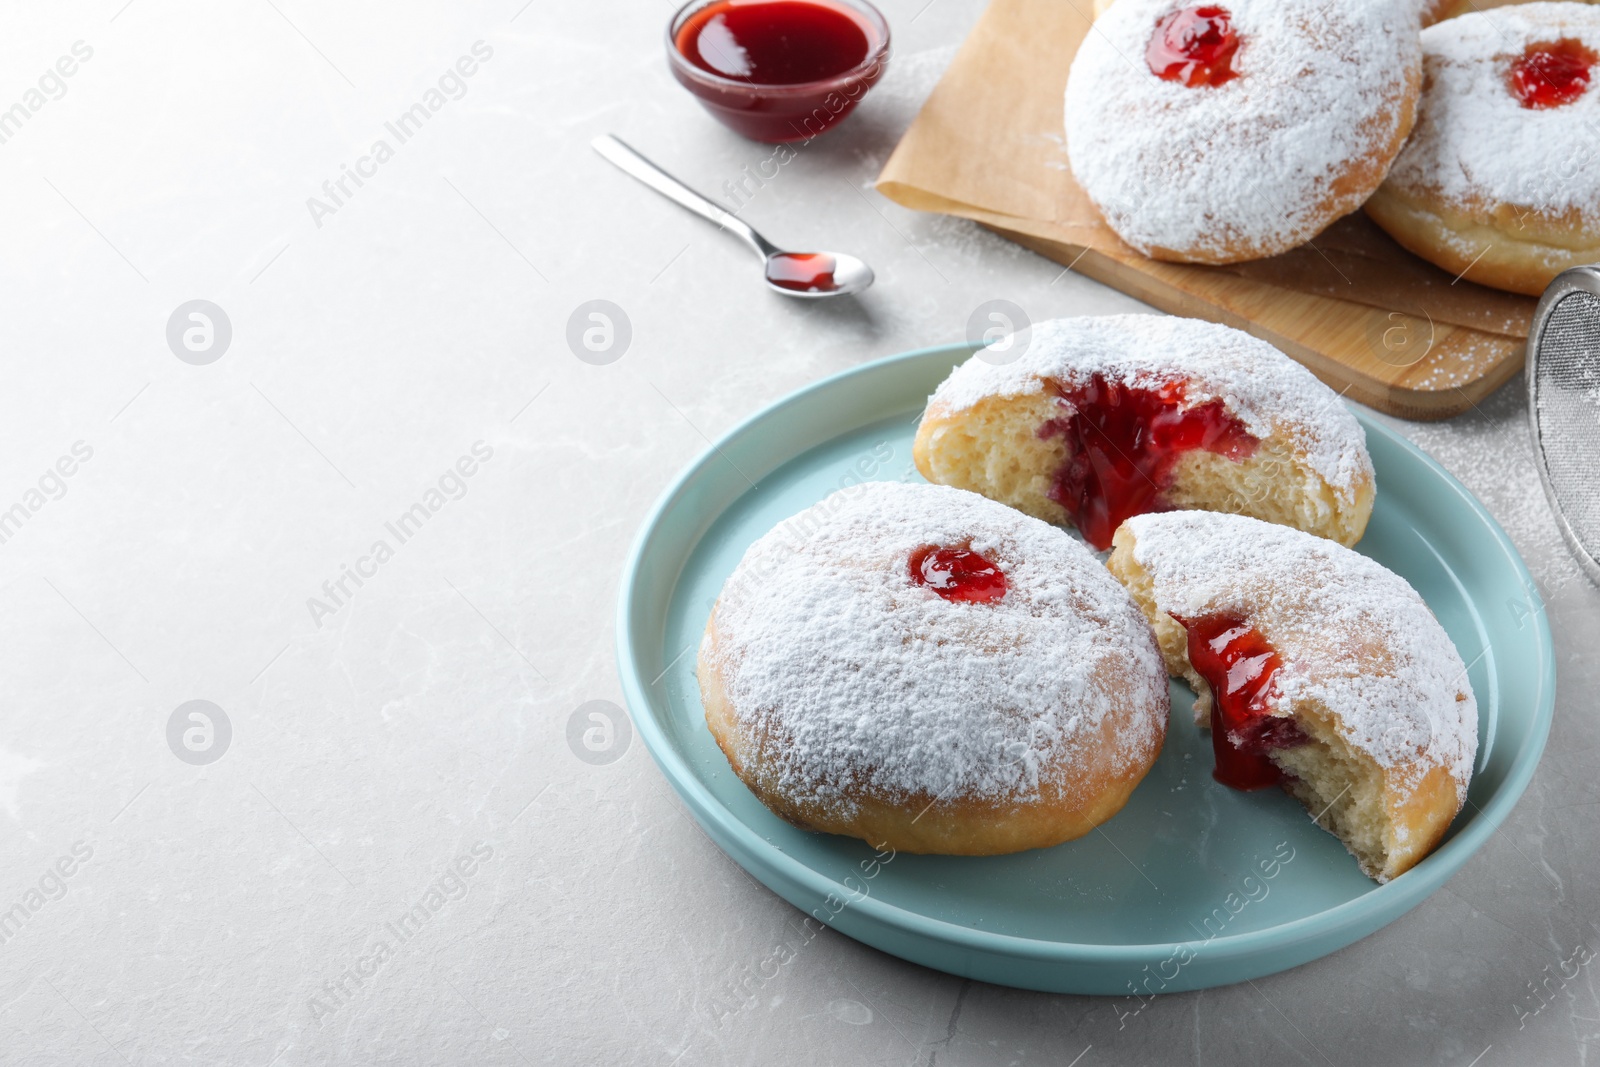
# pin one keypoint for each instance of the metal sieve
(1564, 407)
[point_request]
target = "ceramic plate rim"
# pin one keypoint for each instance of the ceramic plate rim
(1387, 901)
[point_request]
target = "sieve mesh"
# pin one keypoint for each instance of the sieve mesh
(1564, 373)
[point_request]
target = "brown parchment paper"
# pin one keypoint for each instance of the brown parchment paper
(989, 145)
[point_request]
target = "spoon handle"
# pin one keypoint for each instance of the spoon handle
(635, 165)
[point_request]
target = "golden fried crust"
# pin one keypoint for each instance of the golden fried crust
(1439, 10)
(958, 826)
(1498, 245)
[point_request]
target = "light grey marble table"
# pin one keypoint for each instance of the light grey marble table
(376, 844)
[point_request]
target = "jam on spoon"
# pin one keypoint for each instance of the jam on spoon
(806, 275)
(802, 272)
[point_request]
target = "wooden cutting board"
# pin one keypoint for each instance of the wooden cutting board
(1373, 321)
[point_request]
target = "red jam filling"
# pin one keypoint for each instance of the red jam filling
(1552, 74)
(958, 574)
(1122, 443)
(779, 70)
(804, 272)
(1195, 46)
(1239, 665)
(774, 42)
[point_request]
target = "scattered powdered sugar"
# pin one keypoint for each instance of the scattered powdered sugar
(1475, 146)
(1352, 634)
(1252, 165)
(869, 683)
(1491, 451)
(1264, 389)
(896, 99)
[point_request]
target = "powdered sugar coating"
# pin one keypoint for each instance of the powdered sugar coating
(1352, 635)
(1259, 164)
(878, 686)
(1265, 390)
(1475, 147)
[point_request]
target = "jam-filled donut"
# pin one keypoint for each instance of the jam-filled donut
(1500, 182)
(1317, 669)
(931, 671)
(1217, 133)
(1105, 417)
(1429, 11)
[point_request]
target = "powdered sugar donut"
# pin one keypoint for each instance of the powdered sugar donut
(1317, 669)
(932, 672)
(1428, 11)
(1500, 183)
(1221, 133)
(1105, 417)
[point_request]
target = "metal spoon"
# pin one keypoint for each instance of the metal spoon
(808, 275)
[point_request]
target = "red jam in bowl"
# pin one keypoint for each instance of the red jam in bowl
(778, 70)
(1552, 74)
(1195, 46)
(958, 574)
(1122, 444)
(1239, 665)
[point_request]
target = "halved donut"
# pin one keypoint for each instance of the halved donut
(1315, 668)
(1101, 418)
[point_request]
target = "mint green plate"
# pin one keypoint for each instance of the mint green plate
(1192, 884)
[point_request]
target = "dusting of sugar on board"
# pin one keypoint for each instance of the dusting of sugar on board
(1264, 389)
(880, 687)
(1353, 635)
(1259, 164)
